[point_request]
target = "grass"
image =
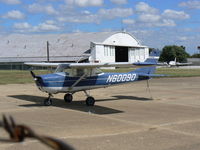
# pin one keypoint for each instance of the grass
(177, 72)
(21, 77)
(172, 72)
(17, 76)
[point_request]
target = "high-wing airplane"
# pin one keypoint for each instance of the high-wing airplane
(70, 78)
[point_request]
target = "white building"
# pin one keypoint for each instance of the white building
(118, 47)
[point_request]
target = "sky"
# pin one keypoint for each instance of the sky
(155, 23)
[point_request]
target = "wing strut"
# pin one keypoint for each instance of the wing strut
(79, 80)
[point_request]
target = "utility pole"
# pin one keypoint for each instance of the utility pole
(47, 51)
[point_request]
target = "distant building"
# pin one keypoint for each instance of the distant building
(95, 47)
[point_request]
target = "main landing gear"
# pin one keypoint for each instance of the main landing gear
(89, 100)
(68, 98)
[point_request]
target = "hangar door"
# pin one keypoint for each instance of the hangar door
(121, 54)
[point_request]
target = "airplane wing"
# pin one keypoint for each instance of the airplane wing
(89, 65)
(42, 64)
(183, 64)
(92, 65)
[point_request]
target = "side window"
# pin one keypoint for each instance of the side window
(80, 72)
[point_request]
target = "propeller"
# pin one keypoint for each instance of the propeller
(33, 74)
(37, 79)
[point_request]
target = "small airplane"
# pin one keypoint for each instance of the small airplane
(176, 64)
(70, 78)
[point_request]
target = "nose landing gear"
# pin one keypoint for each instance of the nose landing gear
(48, 101)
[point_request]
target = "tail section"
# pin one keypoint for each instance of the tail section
(147, 62)
(148, 72)
(151, 60)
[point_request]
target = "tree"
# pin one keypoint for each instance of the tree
(195, 56)
(170, 52)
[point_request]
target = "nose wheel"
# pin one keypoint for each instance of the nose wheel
(48, 101)
(68, 98)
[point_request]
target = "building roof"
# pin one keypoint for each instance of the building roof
(121, 39)
(18, 47)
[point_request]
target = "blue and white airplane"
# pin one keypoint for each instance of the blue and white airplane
(70, 78)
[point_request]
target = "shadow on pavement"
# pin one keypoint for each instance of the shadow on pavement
(74, 105)
(122, 97)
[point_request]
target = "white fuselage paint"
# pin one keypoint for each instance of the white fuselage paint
(54, 90)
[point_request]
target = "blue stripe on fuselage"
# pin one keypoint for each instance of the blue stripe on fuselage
(63, 80)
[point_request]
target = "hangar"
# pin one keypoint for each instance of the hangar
(72, 47)
(118, 47)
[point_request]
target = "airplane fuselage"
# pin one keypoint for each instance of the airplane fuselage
(63, 83)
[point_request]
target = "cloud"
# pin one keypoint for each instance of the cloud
(38, 8)
(169, 36)
(78, 17)
(46, 26)
(88, 17)
(143, 7)
(119, 2)
(154, 21)
(146, 16)
(11, 2)
(14, 14)
(115, 12)
(22, 26)
(168, 13)
(128, 21)
(191, 4)
(85, 3)
(149, 18)
(167, 23)
(182, 38)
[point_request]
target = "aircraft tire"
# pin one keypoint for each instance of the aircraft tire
(48, 102)
(68, 98)
(90, 101)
